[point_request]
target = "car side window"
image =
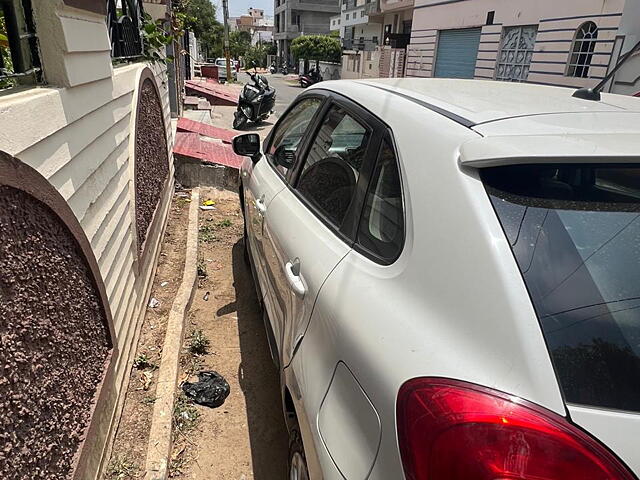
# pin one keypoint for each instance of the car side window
(381, 229)
(331, 168)
(289, 133)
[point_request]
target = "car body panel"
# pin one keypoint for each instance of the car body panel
(261, 184)
(314, 247)
(617, 430)
(349, 425)
(521, 149)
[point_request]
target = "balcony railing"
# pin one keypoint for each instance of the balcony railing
(124, 20)
(366, 45)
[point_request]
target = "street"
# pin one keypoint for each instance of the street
(285, 92)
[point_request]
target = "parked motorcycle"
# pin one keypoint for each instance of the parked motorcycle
(256, 101)
(272, 68)
(285, 69)
(313, 76)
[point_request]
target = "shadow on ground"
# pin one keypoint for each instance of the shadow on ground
(258, 378)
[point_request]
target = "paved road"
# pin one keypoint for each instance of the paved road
(285, 93)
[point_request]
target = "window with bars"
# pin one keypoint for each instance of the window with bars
(582, 51)
(516, 51)
(19, 61)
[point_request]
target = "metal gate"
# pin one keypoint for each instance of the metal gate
(457, 53)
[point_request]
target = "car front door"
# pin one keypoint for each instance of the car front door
(311, 223)
(264, 179)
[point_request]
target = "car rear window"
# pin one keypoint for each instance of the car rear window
(575, 234)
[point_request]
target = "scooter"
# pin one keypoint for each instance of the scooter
(285, 69)
(256, 101)
(313, 76)
(272, 68)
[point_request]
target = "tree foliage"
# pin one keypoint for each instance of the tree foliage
(202, 21)
(317, 47)
(239, 43)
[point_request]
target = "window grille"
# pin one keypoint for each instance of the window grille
(515, 53)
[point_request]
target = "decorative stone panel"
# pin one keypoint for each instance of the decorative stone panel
(151, 158)
(55, 332)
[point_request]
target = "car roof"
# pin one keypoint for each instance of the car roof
(481, 101)
(519, 122)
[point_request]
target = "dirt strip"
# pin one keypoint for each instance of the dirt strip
(130, 444)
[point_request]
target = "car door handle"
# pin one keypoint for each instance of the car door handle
(295, 280)
(260, 205)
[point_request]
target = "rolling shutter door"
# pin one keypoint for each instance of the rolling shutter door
(457, 53)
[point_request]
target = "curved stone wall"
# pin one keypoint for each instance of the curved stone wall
(55, 341)
(151, 158)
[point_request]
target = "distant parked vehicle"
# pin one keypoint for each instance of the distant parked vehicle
(309, 78)
(272, 68)
(221, 63)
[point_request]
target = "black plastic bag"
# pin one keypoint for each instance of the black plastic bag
(210, 390)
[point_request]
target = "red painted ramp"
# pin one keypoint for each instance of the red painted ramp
(216, 94)
(190, 145)
(187, 125)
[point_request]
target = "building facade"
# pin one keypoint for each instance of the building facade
(359, 31)
(572, 43)
(301, 17)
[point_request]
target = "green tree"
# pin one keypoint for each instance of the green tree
(202, 21)
(239, 43)
(317, 47)
(258, 54)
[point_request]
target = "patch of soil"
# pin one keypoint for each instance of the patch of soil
(246, 437)
(130, 446)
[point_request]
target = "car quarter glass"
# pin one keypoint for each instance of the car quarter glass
(289, 133)
(575, 233)
(381, 230)
(332, 166)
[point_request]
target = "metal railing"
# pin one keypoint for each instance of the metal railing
(124, 20)
(19, 60)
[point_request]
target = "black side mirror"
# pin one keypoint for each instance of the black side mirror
(247, 145)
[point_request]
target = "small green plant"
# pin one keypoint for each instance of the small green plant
(225, 223)
(142, 361)
(202, 269)
(207, 233)
(185, 415)
(148, 400)
(177, 466)
(120, 468)
(199, 343)
(156, 35)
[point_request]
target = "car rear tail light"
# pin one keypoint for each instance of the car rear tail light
(451, 430)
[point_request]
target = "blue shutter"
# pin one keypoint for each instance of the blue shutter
(457, 53)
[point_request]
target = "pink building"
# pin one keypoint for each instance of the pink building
(558, 42)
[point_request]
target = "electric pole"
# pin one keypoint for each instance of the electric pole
(225, 13)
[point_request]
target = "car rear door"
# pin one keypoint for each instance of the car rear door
(311, 224)
(263, 180)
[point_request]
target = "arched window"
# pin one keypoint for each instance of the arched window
(582, 51)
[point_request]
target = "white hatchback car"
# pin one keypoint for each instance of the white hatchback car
(450, 273)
